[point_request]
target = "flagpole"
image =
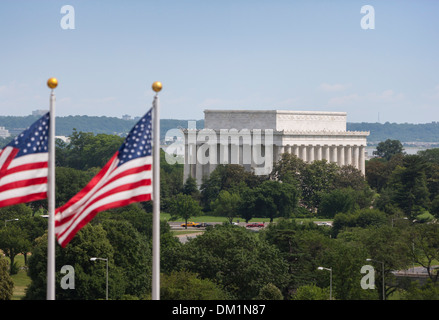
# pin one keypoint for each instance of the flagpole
(157, 86)
(52, 83)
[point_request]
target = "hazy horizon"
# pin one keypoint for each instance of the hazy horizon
(294, 55)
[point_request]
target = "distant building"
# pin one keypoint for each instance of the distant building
(39, 112)
(16, 131)
(310, 135)
(63, 138)
(126, 117)
(4, 133)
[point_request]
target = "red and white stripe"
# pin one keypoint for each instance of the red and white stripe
(114, 186)
(22, 179)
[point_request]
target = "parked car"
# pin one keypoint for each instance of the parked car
(203, 224)
(190, 224)
(255, 225)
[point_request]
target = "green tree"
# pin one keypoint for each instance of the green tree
(18, 211)
(226, 205)
(423, 244)
(288, 169)
(134, 256)
(90, 277)
(184, 206)
(349, 177)
(337, 201)
(409, 186)
(387, 149)
(269, 292)
(346, 260)
(303, 247)
(171, 180)
(435, 206)
(427, 291)
(311, 292)
(378, 171)
(430, 155)
(386, 245)
(141, 221)
(30, 226)
(13, 240)
(362, 218)
(6, 282)
(184, 285)
(233, 257)
(190, 188)
(271, 199)
(226, 177)
(318, 178)
(69, 182)
(432, 176)
(87, 150)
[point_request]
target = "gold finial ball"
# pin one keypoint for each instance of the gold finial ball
(157, 86)
(52, 83)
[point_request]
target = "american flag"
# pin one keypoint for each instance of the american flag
(126, 178)
(24, 165)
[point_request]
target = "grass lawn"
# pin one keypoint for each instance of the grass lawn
(167, 217)
(181, 232)
(21, 280)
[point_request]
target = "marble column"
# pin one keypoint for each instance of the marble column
(303, 154)
(319, 152)
(356, 157)
(326, 153)
(334, 153)
(341, 150)
(247, 156)
(362, 159)
(215, 159)
(348, 158)
(224, 154)
(234, 153)
(310, 153)
(198, 170)
(296, 149)
(187, 167)
(278, 152)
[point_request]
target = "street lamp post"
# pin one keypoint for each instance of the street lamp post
(10, 220)
(382, 264)
(106, 260)
(330, 280)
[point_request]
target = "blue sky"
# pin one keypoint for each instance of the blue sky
(241, 54)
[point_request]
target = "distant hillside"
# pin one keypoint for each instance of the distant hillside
(405, 132)
(107, 125)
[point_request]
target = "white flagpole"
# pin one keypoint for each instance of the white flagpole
(157, 86)
(52, 83)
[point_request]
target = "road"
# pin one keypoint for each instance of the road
(176, 225)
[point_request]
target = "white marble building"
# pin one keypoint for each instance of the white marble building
(234, 136)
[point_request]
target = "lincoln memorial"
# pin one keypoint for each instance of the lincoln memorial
(256, 139)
